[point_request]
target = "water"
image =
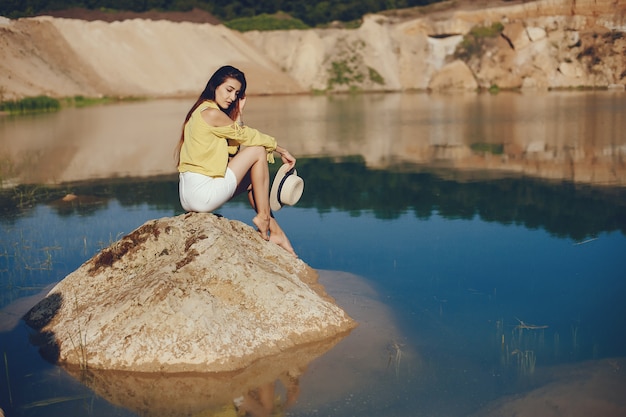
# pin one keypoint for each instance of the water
(478, 240)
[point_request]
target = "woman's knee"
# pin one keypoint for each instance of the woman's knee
(259, 152)
(246, 159)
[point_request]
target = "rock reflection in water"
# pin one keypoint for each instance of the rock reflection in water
(152, 394)
(305, 378)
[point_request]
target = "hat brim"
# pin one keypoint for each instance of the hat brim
(283, 171)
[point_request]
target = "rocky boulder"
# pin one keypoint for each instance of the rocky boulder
(192, 293)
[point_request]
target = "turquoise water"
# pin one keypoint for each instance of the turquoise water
(459, 265)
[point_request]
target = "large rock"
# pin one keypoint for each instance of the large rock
(194, 292)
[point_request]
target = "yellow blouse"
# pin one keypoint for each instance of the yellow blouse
(206, 148)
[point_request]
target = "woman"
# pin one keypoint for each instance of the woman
(212, 166)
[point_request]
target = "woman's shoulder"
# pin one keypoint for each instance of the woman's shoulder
(212, 114)
(208, 104)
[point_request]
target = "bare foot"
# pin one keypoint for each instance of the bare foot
(281, 240)
(263, 225)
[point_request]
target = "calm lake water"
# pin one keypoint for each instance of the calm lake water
(479, 240)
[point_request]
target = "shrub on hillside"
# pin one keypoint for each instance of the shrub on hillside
(473, 43)
(278, 21)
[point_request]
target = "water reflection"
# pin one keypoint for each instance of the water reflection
(572, 136)
(253, 391)
(565, 136)
(563, 209)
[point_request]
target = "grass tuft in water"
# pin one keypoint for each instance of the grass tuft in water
(526, 361)
(575, 346)
(395, 356)
(520, 349)
(51, 401)
(6, 369)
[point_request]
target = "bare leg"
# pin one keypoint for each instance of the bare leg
(252, 163)
(277, 235)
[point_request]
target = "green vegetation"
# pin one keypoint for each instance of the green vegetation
(24, 196)
(352, 24)
(494, 89)
(264, 21)
(350, 72)
(492, 148)
(487, 31)
(42, 104)
(311, 13)
(342, 73)
(473, 43)
(82, 101)
(30, 105)
(375, 76)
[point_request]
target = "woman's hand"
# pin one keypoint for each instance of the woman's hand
(286, 156)
(241, 103)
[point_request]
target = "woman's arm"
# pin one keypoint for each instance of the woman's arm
(286, 156)
(241, 102)
(215, 117)
(284, 153)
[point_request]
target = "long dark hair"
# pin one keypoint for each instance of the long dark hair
(218, 78)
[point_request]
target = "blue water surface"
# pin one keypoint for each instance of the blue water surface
(458, 285)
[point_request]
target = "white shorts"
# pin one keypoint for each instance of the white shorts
(203, 194)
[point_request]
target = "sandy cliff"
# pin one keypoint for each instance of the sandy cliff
(544, 44)
(66, 57)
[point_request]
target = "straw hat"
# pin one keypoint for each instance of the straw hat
(286, 189)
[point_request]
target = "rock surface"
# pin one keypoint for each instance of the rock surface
(545, 44)
(453, 76)
(192, 293)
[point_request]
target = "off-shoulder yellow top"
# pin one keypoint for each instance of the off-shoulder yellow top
(206, 148)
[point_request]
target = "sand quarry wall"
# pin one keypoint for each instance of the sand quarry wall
(67, 57)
